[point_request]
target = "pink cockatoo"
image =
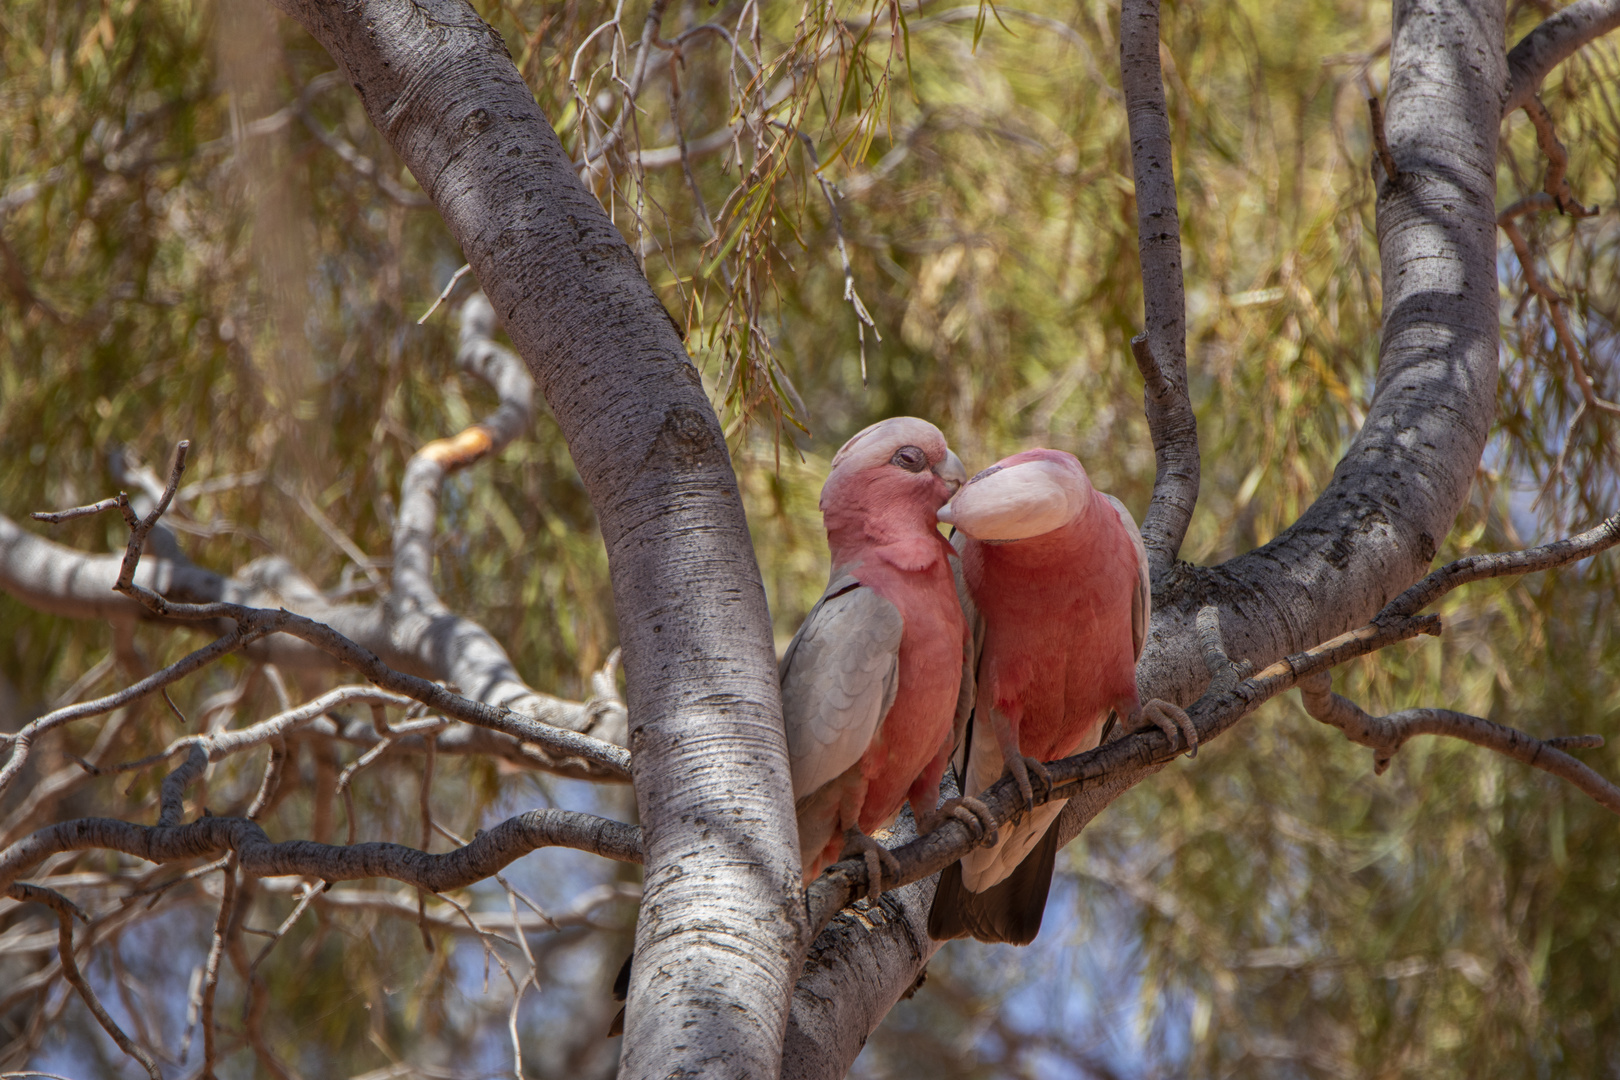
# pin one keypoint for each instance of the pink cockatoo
(1058, 576)
(870, 683)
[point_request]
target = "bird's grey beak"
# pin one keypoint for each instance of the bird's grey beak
(946, 514)
(952, 472)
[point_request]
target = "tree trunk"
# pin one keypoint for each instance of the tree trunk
(721, 928)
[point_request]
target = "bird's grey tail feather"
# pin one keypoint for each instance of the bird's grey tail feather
(1009, 911)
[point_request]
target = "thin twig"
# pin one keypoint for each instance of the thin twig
(1375, 110)
(56, 517)
(216, 949)
(1464, 571)
(1557, 182)
(449, 287)
(425, 807)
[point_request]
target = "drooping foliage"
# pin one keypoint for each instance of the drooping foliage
(854, 211)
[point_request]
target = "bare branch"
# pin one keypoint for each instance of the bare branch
(59, 516)
(259, 856)
(613, 760)
(1117, 764)
(1502, 564)
(1557, 183)
(66, 910)
(1387, 734)
(216, 949)
(140, 527)
(1158, 226)
(1553, 42)
(444, 294)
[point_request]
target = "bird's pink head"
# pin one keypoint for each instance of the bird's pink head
(1028, 494)
(888, 481)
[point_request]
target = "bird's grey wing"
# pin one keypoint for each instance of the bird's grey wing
(968, 691)
(839, 677)
(1142, 599)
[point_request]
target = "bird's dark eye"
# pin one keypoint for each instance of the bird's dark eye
(991, 471)
(910, 458)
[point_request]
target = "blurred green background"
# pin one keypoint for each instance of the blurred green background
(188, 250)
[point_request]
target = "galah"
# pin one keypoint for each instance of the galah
(1056, 578)
(870, 683)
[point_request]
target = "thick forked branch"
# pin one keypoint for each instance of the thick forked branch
(1161, 351)
(1553, 42)
(718, 942)
(1395, 494)
(258, 856)
(1387, 734)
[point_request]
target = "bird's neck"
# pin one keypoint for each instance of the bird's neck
(901, 537)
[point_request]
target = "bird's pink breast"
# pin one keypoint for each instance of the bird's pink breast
(1058, 649)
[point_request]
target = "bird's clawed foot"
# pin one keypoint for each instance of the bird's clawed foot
(1022, 769)
(878, 860)
(1171, 719)
(970, 812)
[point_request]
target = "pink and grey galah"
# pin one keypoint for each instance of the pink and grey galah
(1056, 581)
(871, 682)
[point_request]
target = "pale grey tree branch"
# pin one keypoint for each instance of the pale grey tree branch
(59, 580)
(1553, 42)
(1161, 352)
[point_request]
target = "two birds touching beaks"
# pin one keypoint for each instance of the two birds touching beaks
(1009, 645)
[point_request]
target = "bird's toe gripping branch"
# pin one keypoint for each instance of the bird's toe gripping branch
(1022, 768)
(981, 822)
(1171, 719)
(879, 860)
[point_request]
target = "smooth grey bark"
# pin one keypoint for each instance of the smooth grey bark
(1378, 524)
(721, 929)
(1164, 303)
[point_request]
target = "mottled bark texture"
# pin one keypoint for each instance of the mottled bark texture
(720, 932)
(1378, 524)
